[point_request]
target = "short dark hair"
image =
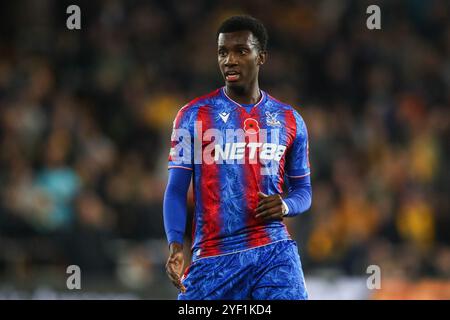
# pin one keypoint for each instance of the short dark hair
(247, 23)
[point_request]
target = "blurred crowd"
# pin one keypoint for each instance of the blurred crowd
(85, 120)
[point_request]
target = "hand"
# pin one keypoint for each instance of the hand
(269, 207)
(175, 264)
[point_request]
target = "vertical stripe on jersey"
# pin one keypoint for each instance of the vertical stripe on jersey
(291, 131)
(210, 193)
(252, 184)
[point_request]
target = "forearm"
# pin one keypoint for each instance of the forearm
(175, 205)
(299, 196)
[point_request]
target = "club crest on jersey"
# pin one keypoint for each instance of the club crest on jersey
(271, 119)
(251, 126)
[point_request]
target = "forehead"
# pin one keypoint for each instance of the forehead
(230, 39)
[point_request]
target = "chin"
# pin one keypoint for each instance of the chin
(238, 87)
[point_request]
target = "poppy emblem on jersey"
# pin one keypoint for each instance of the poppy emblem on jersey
(251, 126)
(271, 119)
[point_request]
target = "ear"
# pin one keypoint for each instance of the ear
(262, 57)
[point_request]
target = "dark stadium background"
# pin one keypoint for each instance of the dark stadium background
(85, 120)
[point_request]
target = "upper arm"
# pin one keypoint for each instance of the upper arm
(297, 162)
(179, 181)
(182, 152)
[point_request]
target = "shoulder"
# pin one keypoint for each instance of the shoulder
(187, 114)
(288, 108)
(193, 105)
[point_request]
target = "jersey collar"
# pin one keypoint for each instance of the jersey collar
(263, 97)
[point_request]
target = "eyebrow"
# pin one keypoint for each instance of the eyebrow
(238, 45)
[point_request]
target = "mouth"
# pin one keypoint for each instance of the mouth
(232, 76)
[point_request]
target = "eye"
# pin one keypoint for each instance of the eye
(222, 53)
(243, 51)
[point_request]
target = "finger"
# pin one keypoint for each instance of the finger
(171, 272)
(276, 216)
(269, 199)
(176, 284)
(175, 278)
(269, 211)
(176, 269)
(266, 213)
(262, 195)
(175, 261)
(271, 214)
(269, 203)
(262, 207)
(176, 281)
(171, 269)
(263, 201)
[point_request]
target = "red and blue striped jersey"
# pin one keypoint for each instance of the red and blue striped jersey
(233, 154)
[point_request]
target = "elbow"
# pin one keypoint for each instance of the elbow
(308, 205)
(309, 199)
(174, 190)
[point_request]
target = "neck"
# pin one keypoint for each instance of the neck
(248, 95)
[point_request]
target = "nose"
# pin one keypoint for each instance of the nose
(230, 60)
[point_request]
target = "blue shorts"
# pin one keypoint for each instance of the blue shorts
(270, 272)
